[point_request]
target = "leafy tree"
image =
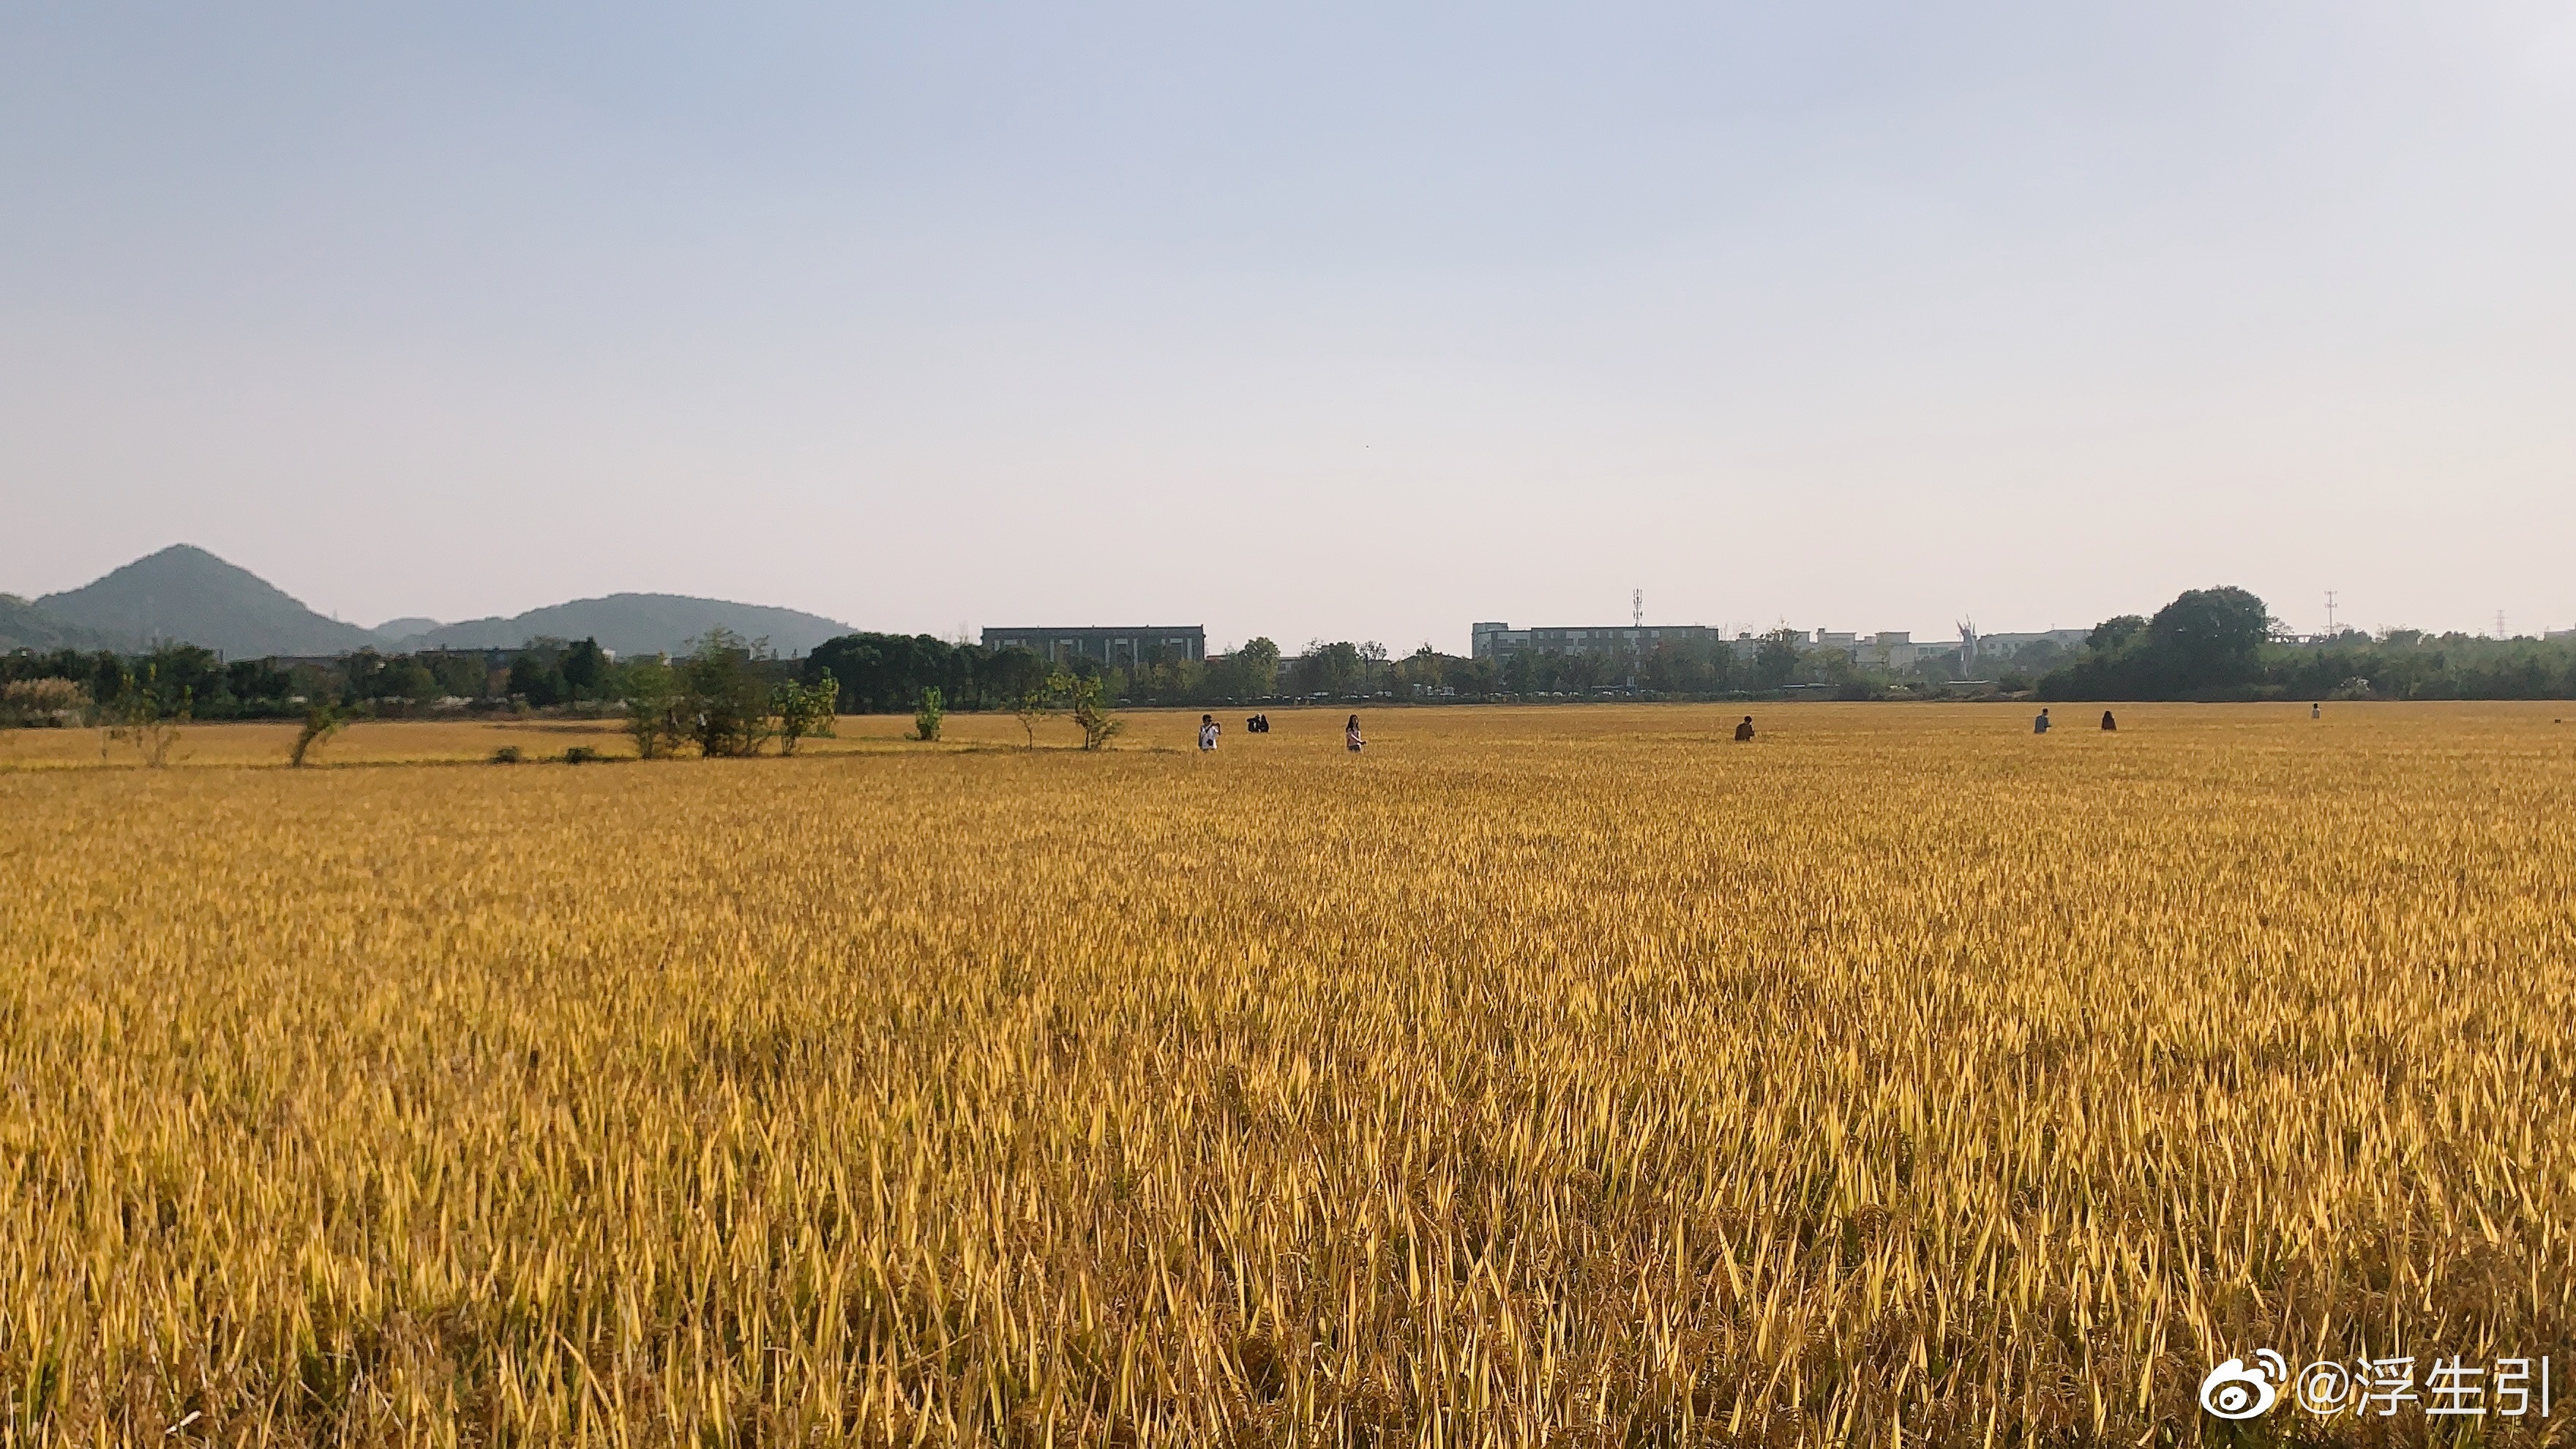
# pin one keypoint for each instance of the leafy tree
(886, 673)
(535, 677)
(726, 699)
(1253, 670)
(321, 721)
(1422, 669)
(925, 720)
(1333, 669)
(1087, 701)
(139, 716)
(461, 673)
(1034, 704)
(804, 709)
(2210, 636)
(584, 669)
(1776, 661)
(653, 707)
(1005, 677)
(2113, 635)
(2206, 641)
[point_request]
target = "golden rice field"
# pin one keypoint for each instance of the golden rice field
(1566, 1076)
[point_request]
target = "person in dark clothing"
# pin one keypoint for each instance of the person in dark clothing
(2109, 723)
(1744, 731)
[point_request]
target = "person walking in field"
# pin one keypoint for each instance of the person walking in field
(2039, 726)
(2317, 709)
(1351, 736)
(2108, 723)
(1744, 731)
(1207, 733)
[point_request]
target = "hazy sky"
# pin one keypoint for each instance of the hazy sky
(1344, 321)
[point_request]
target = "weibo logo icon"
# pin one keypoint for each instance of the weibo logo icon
(2233, 1391)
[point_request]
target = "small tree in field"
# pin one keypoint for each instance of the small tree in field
(724, 699)
(804, 709)
(652, 693)
(1088, 702)
(926, 720)
(137, 717)
(1035, 705)
(321, 722)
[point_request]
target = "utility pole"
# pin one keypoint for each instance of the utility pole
(1636, 634)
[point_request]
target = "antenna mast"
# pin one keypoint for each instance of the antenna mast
(2330, 608)
(1637, 608)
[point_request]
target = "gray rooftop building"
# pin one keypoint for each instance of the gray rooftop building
(1139, 644)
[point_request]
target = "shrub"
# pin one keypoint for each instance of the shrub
(321, 722)
(925, 720)
(652, 693)
(507, 755)
(804, 709)
(42, 702)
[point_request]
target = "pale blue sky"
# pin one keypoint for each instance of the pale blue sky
(1361, 321)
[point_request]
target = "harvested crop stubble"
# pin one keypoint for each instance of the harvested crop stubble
(1550, 1075)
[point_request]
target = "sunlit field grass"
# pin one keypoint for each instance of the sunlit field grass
(1563, 1075)
(456, 741)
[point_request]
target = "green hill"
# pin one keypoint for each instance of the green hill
(24, 626)
(637, 624)
(187, 595)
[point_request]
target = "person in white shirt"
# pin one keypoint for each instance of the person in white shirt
(1207, 733)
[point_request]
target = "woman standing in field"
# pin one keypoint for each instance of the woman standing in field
(1351, 735)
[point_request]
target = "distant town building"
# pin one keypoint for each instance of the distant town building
(1143, 644)
(1500, 642)
(1893, 650)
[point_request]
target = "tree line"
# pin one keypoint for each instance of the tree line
(2223, 643)
(2216, 643)
(186, 679)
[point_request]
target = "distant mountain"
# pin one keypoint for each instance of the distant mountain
(187, 595)
(184, 594)
(637, 624)
(24, 626)
(394, 631)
